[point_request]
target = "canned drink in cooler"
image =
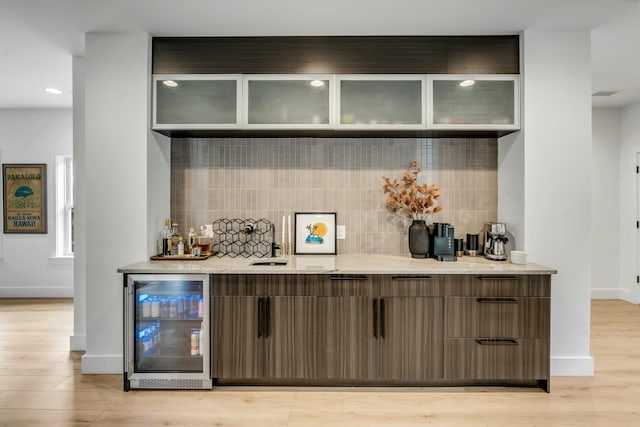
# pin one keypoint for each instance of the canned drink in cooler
(195, 343)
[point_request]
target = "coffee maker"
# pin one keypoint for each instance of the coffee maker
(495, 241)
(442, 242)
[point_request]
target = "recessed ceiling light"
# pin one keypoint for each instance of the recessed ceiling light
(316, 83)
(605, 92)
(466, 83)
(53, 90)
(169, 83)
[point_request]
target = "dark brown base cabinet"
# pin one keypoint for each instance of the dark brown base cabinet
(498, 328)
(256, 333)
(380, 329)
(373, 329)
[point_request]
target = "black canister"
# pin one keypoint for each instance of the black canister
(459, 245)
(472, 245)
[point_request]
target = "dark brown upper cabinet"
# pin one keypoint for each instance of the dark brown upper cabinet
(256, 86)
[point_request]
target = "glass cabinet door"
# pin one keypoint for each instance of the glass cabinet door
(381, 101)
(169, 319)
(474, 102)
(196, 101)
(291, 101)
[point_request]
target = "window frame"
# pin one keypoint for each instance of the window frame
(64, 206)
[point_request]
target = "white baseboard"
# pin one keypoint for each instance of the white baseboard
(78, 343)
(605, 293)
(576, 366)
(94, 364)
(36, 292)
(612, 293)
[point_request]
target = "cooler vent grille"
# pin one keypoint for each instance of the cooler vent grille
(172, 384)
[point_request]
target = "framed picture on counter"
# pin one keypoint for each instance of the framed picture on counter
(315, 233)
(24, 198)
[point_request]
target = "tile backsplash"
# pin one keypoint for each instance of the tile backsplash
(213, 178)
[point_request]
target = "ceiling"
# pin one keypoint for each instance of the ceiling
(39, 37)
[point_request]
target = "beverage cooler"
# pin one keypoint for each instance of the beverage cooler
(166, 331)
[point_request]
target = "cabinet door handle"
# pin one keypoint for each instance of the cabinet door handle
(375, 318)
(497, 300)
(267, 318)
(414, 277)
(497, 341)
(382, 318)
(348, 277)
(511, 278)
(260, 310)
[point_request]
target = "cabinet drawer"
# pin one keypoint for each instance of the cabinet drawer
(510, 359)
(263, 284)
(498, 285)
(409, 285)
(496, 317)
(347, 285)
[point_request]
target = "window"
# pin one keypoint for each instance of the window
(64, 206)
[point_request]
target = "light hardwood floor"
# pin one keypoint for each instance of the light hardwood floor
(41, 384)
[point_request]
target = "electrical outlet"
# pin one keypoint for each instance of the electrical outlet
(341, 232)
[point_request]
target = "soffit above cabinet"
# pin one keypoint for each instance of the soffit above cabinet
(337, 55)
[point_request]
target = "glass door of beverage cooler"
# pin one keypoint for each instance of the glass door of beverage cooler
(167, 331)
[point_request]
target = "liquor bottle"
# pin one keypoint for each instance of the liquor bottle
(203, 240)
(175, 237)
(180, 246)
(166, 235)
(191, 240)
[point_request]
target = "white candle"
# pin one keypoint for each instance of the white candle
(289, 240)
(282, 241)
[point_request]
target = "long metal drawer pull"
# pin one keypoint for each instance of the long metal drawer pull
(497, 300)
(375, 318)
(411, 277)
(511, 278)
(348, 277)
(260, 310)
(382, 319)
(267, 318)
(497, 341)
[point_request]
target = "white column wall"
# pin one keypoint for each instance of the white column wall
(159, 182)
(511, 185)
(557, 184)
(629, 147)
(511, 174)
(78, 340)
(605, 267)
(116, 86)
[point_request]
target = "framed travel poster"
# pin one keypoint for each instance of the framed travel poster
(24, 198)
(315, 233)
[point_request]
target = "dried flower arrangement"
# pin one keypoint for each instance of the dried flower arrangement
(406, 197)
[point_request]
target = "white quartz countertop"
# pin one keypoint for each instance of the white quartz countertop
(339, 264)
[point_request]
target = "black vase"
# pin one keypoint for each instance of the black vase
(418, 239)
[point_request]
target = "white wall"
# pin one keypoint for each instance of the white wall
(605, 267)
(629, 147)
(116, 138)
(28, 267)
(557, 165)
